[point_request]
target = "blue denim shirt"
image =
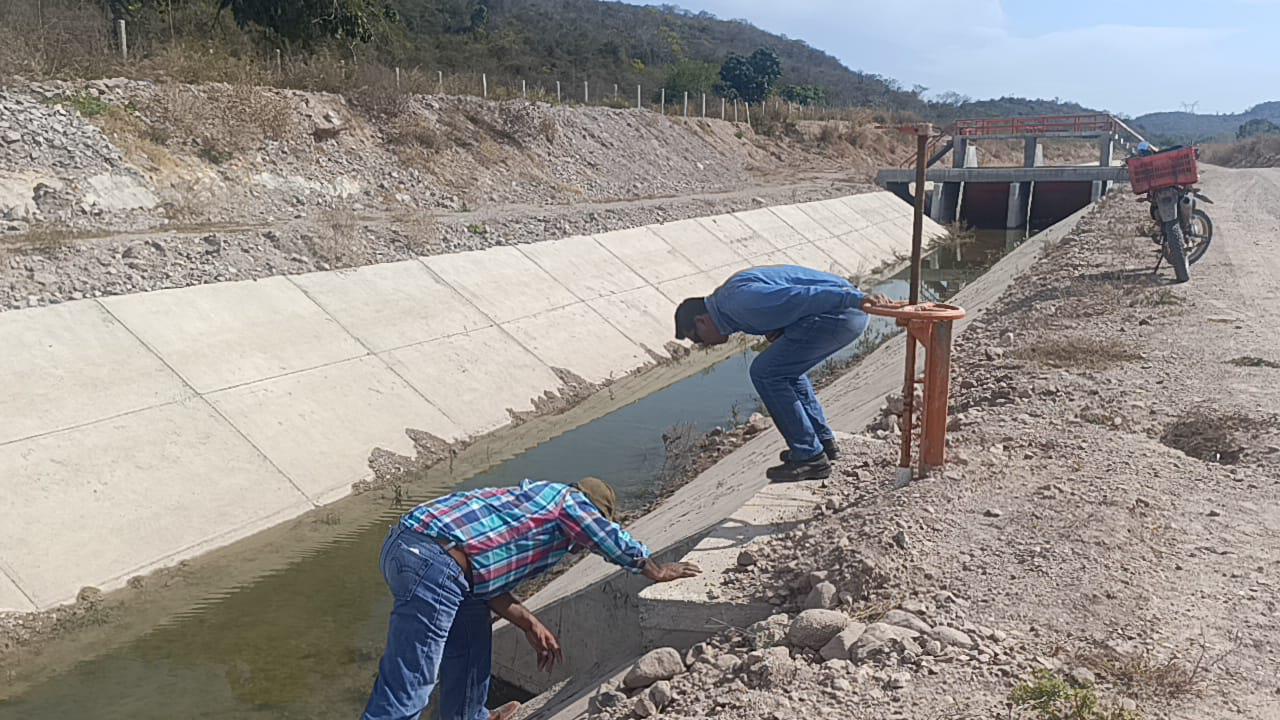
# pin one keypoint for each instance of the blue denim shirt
(762, 300)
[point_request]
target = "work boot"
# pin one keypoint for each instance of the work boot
(818, 468)
(829, 447)
(506, 712)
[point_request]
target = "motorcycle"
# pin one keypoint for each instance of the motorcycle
(1184, 242)
(1167, 180)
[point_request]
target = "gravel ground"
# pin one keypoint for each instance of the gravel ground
(1104, 533)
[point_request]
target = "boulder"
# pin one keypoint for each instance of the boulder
(951, 637)
(838, 647)
(814, 628)
(660, 664)
(770, 631)
(904, 619)
(660, 694)
(823, 595)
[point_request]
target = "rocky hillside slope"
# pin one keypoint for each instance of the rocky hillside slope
(121, 185)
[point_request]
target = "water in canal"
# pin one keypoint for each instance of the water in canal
(304, 642)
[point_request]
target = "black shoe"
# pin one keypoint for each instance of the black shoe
(818, 468)
(829, 447)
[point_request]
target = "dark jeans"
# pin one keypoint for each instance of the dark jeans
(439, 635)
(779, 376)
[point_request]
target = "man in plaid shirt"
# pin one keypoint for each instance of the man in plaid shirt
(452, 561)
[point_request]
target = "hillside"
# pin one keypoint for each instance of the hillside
(1185, 127)
(540, 42)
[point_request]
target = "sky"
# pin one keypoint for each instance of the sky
(1126, 56)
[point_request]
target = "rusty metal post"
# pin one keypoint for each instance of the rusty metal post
(923, 132)
(937, 390)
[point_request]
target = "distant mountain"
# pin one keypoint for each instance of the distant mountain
(1185, 127)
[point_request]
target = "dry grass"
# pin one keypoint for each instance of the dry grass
(340, 243)
(1143, 675)
(1082, 352)
(1260, 151)
(1255, 362)
(224, 121)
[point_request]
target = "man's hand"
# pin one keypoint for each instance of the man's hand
(875, 299)
(666, 572)
(545, 644)
(773, 336)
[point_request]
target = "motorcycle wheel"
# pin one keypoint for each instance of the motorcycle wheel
(1199, 234)
(1175, 252)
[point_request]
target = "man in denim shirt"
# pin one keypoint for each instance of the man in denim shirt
(808, 315)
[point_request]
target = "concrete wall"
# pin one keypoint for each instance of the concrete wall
(139, 430)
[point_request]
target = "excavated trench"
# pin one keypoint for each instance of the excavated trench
(303, 641)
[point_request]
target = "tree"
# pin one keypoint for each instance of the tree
(803, 94)
(307, 21)
(750, 78)
(690, 76)
(1257, 126)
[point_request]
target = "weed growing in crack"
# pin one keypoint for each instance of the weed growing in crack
(1080, 352)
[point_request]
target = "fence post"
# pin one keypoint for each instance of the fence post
(397, 76)
(440, 81)
(721, 108)
(686, 104)
(484, 85)
(557, 91)
(735, 110)
(586, 93)
(704, 104)
(615, 92)
(748, 114)
(123, 36)
(524, 90)
(638, 105)
(662, 104)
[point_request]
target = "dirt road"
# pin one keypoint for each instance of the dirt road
(1107, 534)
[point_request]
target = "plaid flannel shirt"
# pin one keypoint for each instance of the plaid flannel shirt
(512, 534)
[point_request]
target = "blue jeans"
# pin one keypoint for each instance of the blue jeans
(779, 376)
(439, 635)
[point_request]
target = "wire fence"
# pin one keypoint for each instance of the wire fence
(71, 38)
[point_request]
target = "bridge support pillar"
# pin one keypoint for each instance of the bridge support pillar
(945, 206)
(1032, 153)
(902, 190)
(964, 154)
(1098, 189)
(1019, 204)
(1106, 154)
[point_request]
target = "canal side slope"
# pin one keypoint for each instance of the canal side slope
(1104, 534)
(181, 420)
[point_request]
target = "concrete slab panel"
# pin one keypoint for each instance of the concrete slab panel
(772, 228)
(474, 378)
(393, 304)
(823, 215)
(647, 254)
(810, 256)
(644, 315)
(135, 492)
(854, 262)
(319, 426)
(777, 257)
(738, 235)
(699, 285)
(584, 266)
(218, 336)
(501, 281)
(72, 364)
(695, 242)
(12, 599)
(798, 220)
(579, 340)
(852, 214)
(887, 242)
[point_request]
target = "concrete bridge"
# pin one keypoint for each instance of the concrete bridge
(1010, 197)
